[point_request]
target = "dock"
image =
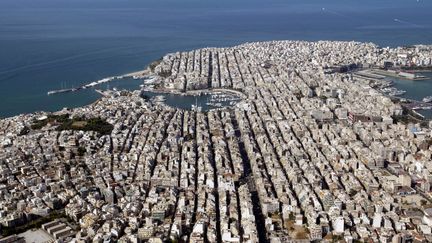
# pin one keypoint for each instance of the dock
(413, 104)
(370, 75)
(86, 86)
(136, 75)
(62, 91)
(400, 74)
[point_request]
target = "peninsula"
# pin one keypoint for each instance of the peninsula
(313, 151)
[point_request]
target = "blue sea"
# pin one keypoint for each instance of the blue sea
(54, 44)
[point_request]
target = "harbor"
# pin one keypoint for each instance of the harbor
(201, 101)
(262, 151)
(401, 74)
(417, 92)
(204, 100)
(413, 94)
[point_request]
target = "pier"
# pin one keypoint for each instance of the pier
(86, 86)
(418, 105)
(134, 75)
(62, 91)
(412, 104)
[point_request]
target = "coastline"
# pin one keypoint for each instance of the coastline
(425, 69)
(397, 75)
(156, 149)
(140, 73)
(149, 71)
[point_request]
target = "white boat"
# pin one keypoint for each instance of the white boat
(422, 108)
(397, 92)
(159, 98)
(149, 80)
(196, 108)
(400, 92)
(427, 99)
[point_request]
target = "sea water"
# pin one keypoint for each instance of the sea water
(54, 44)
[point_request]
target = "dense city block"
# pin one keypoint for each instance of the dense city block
(312, 152)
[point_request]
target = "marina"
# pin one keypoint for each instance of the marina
(417, 105)
(202, 101)
(414, 95)
(392, 91)
(407, 91)
(416, 91)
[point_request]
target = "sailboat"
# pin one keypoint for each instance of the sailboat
(196, 107)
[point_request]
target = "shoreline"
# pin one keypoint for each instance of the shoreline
(147, 71)
(397, 75)
(366, 75)
(140, 73)
(418, 70)
(177, 152)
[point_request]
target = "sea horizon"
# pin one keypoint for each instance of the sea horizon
(52, 45)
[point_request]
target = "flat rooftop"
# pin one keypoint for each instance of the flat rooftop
(36, 236)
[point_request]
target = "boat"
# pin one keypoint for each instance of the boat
(400, 92)
(397, 92)
(196, 108)
(427, 99)
(149, 80)
(422, 108)
(159, 98)
(217, 104)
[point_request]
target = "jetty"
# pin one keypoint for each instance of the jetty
(62, 91)
(134, 75)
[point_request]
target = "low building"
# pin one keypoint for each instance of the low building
(58, 230)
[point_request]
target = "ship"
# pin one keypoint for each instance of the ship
(159, 98)
(398, 92)
(427, 99)
(196, 108)
(393, 91)
(149, 80)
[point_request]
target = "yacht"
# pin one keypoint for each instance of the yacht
(397, 92)
(427, 99)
